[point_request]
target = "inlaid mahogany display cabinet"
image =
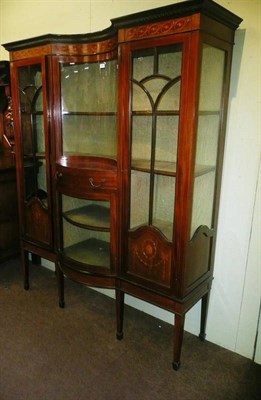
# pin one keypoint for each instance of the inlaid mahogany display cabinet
(120, 141)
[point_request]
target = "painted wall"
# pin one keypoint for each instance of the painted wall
(235, 301)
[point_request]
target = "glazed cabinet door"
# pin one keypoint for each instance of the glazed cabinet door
(86, 166)
(174, 157)
(155, 85)
(32, 151)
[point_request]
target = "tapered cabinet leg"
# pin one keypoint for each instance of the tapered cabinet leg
(204, 312)
(177, 339)
(25, 268)
(119, 313)
(60, 284)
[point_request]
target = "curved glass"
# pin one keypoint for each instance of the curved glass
(89, 108)
(86, 231)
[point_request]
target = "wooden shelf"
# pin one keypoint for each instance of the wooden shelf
(92, 216)
(161, 167)
(167, 167)
(158, 112)
(40, 112)
(203, 169)
(90, 252)
(39, 155)
(112, 157)
(208, 112)
(90, 113)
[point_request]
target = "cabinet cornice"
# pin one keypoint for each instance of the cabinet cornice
(109, 35)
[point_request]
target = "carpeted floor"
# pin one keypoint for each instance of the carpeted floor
(48, 353)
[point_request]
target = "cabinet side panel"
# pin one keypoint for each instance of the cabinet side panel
(198, 262)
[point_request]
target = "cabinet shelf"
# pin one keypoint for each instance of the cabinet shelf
(29, 113)
(94, 217)
(208, 112)
(161, 167)
(90, 252)
(158, 112)
(38, 155)
(167, 167)
(90, 113)
(170, 112)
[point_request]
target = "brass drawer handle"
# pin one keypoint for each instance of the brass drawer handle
(59, 174)
(91, 180)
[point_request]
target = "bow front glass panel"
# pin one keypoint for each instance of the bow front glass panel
(86, 231)
(88, 107)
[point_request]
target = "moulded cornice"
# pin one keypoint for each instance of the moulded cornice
(208, 8)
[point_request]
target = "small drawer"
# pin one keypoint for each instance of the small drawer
(80, 181)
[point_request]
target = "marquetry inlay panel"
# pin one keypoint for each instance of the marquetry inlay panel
(157, 29)
(101, 47)
(150, 255)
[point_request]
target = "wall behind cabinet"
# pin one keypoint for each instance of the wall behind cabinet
(235, 301)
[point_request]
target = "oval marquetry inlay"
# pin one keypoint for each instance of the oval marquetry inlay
(149, 249)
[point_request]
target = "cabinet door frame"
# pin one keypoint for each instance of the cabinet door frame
(185, 155)
(15, 65)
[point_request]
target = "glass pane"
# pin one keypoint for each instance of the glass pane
(89, 104)
(93, 135)
(155, 87)
(86, 231)
(139, 211)
(141, 138)
(143, 64)
(170, 62)
(39, 133)
(32, 130)
(210, 102)
(169, 100)
(140, 100)
(167, 138)
(211, 83)
(163, 209)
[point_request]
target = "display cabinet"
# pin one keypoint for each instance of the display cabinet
(121, 139)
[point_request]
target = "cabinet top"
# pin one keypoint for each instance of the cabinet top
(208, 8)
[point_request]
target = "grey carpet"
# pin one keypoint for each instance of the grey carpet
(48, 353)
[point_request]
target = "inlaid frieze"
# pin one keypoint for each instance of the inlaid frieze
(158, 29)
(100, 47)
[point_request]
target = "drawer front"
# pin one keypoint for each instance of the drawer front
(85, 180)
